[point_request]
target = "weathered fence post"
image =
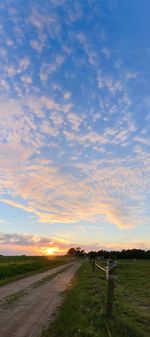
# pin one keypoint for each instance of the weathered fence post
(111, 277)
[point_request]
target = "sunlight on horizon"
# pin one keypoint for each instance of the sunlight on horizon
(50, 250)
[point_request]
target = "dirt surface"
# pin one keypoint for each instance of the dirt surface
(28, 315)
(19, 285)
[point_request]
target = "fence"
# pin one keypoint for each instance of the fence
(111, 278)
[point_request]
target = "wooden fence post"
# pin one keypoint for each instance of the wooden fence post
(111, 277)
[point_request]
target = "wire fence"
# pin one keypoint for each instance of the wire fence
(107, 273)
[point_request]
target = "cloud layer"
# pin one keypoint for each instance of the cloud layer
(74, 116)
(39, 245)
(78, 187)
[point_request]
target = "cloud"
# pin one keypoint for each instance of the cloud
(30, 244)
(85, 199)
(88, 48)
(37, 45)
(48, 69)
(17, 205)
(72, 191)
(11, 70)
(124, 245)
(131, 75)
(75, 120)
(106, 52)
(16, 243)
(27, 240)
(9, 42)
(24, 64)
(26, 79)
(44, 22)
(69, 156)
(110, 84)
(67, 95)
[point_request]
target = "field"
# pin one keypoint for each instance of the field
(83, 312)
(13, 268)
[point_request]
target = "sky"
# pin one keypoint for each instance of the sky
(74, 125)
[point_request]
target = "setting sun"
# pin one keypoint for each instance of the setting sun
(51, 251)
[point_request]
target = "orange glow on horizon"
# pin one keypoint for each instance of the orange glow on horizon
(51, 250)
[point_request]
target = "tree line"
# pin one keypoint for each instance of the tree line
(104, 254)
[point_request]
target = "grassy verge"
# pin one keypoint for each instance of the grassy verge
(83, 313)
(18, 268)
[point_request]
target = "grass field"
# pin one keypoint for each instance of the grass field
(83, 312)
(15, 267)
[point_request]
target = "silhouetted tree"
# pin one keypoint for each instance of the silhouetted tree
(124, 254)
(76, 252)
(92, 254)
(104, 254)
(71, 252)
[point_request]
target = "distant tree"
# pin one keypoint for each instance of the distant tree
(124, 254)
(79, 251)
(82, 252)
(92, 254)
(76, 252)
(71, 252)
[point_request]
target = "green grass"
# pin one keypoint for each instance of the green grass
(13, 268)
(83, 312)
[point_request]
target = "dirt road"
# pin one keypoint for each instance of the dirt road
(19, 285)
(26, 315)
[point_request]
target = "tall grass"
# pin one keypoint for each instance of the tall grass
(12, 268)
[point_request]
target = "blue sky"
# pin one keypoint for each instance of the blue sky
(75, 125)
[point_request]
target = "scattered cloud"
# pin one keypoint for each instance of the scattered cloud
(24, 64)
(110, 188)
(106, 52)
(73, 142)
(131, 75)
(67, 95)
(110, 84)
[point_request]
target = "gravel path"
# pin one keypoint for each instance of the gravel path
(27, 316)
